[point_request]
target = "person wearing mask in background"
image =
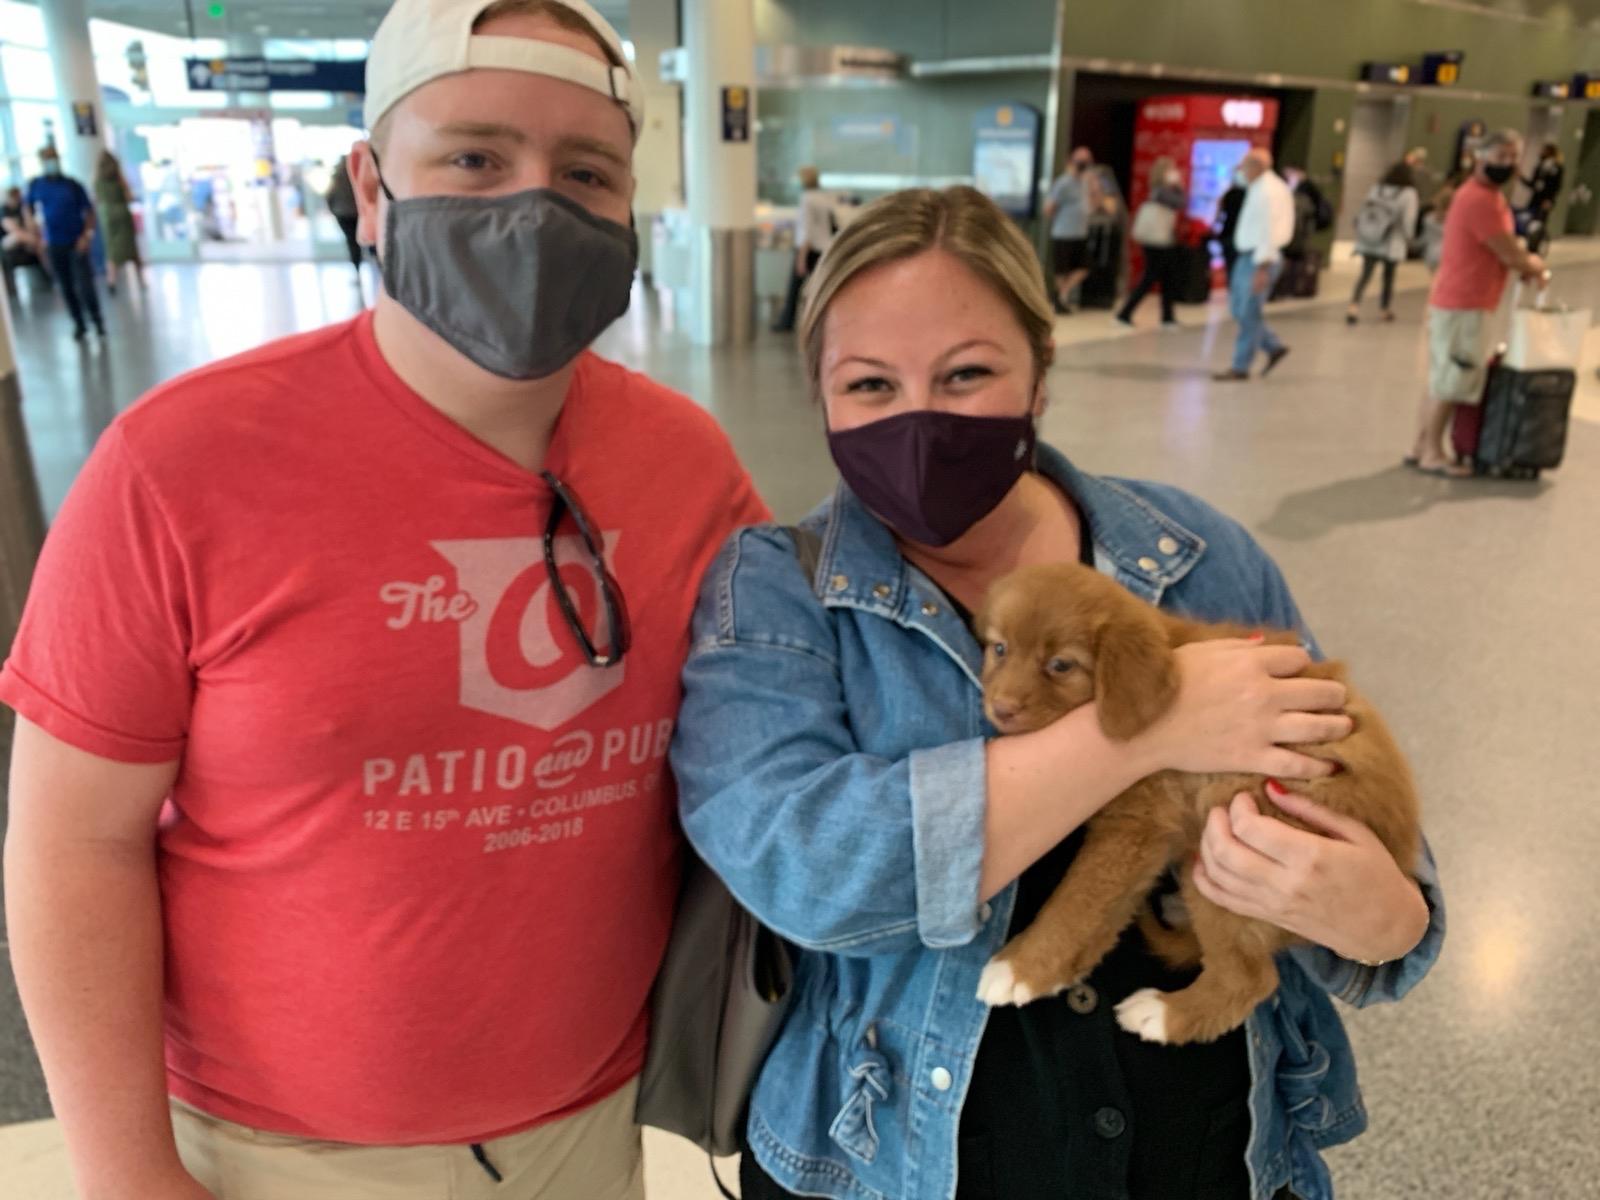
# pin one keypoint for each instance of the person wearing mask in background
(1382, 222)
(341, 201)
(1066, 209)
(814, 231)
(837, 771)
(1480, 253)
(113, 201)
(1545, 186)
(371, 587)
(1227, 222)
(1266, 226)
(63, 214)
(1155, 231)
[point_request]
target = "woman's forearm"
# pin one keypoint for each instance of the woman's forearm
(1043, 785)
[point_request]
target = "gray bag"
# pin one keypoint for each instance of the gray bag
(718, 1000)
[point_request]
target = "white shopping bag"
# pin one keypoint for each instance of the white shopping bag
(1544, 338)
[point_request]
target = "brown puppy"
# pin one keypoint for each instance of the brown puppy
(1057, 637)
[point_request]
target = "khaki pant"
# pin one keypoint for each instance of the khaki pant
(592, 1155)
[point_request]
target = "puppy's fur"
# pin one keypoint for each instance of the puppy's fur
(1057, 637)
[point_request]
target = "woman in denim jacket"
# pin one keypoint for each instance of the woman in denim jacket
(836, 770)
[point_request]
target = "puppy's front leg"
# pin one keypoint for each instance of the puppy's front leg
(1123, 854)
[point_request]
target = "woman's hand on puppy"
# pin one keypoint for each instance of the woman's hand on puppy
(1337, 887)
(1239, 704)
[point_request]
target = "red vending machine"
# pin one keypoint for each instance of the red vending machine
(1206, 136)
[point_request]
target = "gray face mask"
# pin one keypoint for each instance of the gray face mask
(519, 284)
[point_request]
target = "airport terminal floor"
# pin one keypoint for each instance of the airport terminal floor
(1466, 608)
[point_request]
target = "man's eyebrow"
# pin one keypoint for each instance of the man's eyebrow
(482, 129)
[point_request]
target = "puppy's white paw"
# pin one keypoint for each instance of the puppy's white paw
(998, 985)
(1144, 1014)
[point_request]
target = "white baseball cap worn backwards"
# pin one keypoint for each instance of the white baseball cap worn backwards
(423, 40)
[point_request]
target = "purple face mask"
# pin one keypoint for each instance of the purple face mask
(931, 476)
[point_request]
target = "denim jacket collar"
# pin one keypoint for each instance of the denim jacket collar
(860, 565)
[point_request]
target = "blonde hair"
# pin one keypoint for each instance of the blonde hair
(962, 222)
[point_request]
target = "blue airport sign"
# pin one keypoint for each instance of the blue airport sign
(276, 75)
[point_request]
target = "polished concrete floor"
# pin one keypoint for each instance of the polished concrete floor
(1467, 609)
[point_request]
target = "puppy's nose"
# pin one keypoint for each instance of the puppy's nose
(1003, 710)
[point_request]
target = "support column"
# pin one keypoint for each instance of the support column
(720, 166)
(81, 124)
(21, 515)
(658, 158)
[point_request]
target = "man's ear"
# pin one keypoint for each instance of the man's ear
(1135, 672)
(364, 180)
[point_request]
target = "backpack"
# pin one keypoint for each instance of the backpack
(1376, 220)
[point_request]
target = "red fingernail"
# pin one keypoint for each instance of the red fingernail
(1258, 637)
(1276, 789)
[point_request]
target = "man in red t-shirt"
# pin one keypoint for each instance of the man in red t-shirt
(1480, 251)
(342, 848)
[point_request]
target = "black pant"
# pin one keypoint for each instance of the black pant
(1368, 265)
(756, 1184)
(1160, 264)
(791, 303)
(347, 226)
(73, 272)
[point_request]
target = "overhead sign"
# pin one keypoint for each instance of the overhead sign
(1386, 72)
(276, 75)
(1443, 69)
(1211, 112)
(1552, 89)
(1586, 86)
(1005, 156)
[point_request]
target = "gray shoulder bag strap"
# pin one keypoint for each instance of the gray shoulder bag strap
(718, 1000)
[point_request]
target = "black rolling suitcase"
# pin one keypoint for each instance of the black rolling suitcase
(1298, 280)
(1523, 426)
(1191, 272)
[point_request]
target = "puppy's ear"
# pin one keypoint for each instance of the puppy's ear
(1135, 671)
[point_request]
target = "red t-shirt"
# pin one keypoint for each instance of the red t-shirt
(419, 865)
(1470, 274)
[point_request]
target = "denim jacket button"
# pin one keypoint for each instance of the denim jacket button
(930, 609)
(985, 913)
(883, 591)
(839, 582)
(1148, 564)
(941, 1079)
(1168, 546)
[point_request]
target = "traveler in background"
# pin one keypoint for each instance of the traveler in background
(1382, 222)
(1155, 231)
(1067, 211)
(311, 768)
(62, 213)
(1545, 184)
(1425, 179)
(113, 201)
(814, 231)
(1480, 252)
(20, 244)
(1433, 219)
(1227, 221)
(1266, 226)
(836, 769)
(341, 200)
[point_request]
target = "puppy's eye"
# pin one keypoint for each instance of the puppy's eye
(998, 649)
(1059, 666)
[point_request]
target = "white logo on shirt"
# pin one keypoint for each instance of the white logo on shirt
(518, 659)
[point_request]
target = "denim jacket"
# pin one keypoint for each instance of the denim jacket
(830, 759)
